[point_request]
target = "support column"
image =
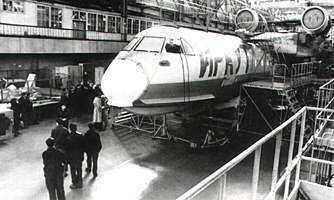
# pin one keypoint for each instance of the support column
(125, 20)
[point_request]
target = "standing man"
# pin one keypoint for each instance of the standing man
(97, 113)
(53, 161)
(105, 112)
(59, 133)
(16, 114)
(75, 149)
(23, 109)
(64, 99)
(93, 148)
(64, 115)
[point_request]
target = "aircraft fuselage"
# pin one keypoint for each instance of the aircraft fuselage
(164, 68)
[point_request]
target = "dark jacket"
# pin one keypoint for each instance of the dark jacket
(64, 100)
(92, 141)
(16, 108)
(53, 163)
(60, 134)
(63, 113)
(75, 146)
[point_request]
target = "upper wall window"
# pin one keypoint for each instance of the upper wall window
(91, 22)
(118, 24)
(43, 16)
(56, 17)
(149, 24)
(13, 5)
(49, 16)
(79, 16)
(135, 26)
(101, 23)
(111, 24)
(142, 25)
(130, 26)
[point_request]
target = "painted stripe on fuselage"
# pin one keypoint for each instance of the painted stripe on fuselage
(179, 92)
(181, 89)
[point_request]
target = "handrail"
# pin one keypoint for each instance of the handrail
(51, 32)
(326, 84)
(218, 173)
(221, 172)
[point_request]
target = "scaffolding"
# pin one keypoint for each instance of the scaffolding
(286, 90)
(157, 128)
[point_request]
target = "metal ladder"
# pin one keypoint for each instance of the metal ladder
(123, 117)
(294, 104)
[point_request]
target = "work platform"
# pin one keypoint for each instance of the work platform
(267, 85)
(278, 96)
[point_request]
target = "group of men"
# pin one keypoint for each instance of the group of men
(22, 112)
(67, 147)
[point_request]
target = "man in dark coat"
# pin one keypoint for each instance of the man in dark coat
(64, 115)
(24, 109)
(93, 148)
(75, 149)
(16, 114)
(64, 99)
(53, 161)
(59, 133)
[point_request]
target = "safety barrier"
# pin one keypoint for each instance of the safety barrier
(281, 183)
(46, 32)
(279, 78)
(325, 100)
(301, 73)
(296, 75)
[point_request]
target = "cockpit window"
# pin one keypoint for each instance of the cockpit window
(131, 44)
(188, 50)
(150, 44)
(173, 46)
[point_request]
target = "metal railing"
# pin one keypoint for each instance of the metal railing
(46, 32)
(325, 100)
(279, 74)
(281, 183)
(301, 73)
(296, 75)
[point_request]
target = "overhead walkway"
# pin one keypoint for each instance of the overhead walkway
(305, 172)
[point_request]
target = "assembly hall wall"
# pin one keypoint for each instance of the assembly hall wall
(25, 12)
(20, 45)
(34, 62)
(29, 44)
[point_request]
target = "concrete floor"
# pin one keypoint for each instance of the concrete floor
(131, 167)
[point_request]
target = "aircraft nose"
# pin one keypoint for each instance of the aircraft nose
(123, 82)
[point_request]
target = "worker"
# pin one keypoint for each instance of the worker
(97, 113)
(93, 147)
(74, 150)
(16, 115)
(53, 161)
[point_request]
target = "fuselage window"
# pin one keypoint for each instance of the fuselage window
(131, 44)
(151, 44)
(188, 50)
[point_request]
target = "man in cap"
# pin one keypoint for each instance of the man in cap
(75, 149)
(93, 147)
(59, 133)
(53, 161)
